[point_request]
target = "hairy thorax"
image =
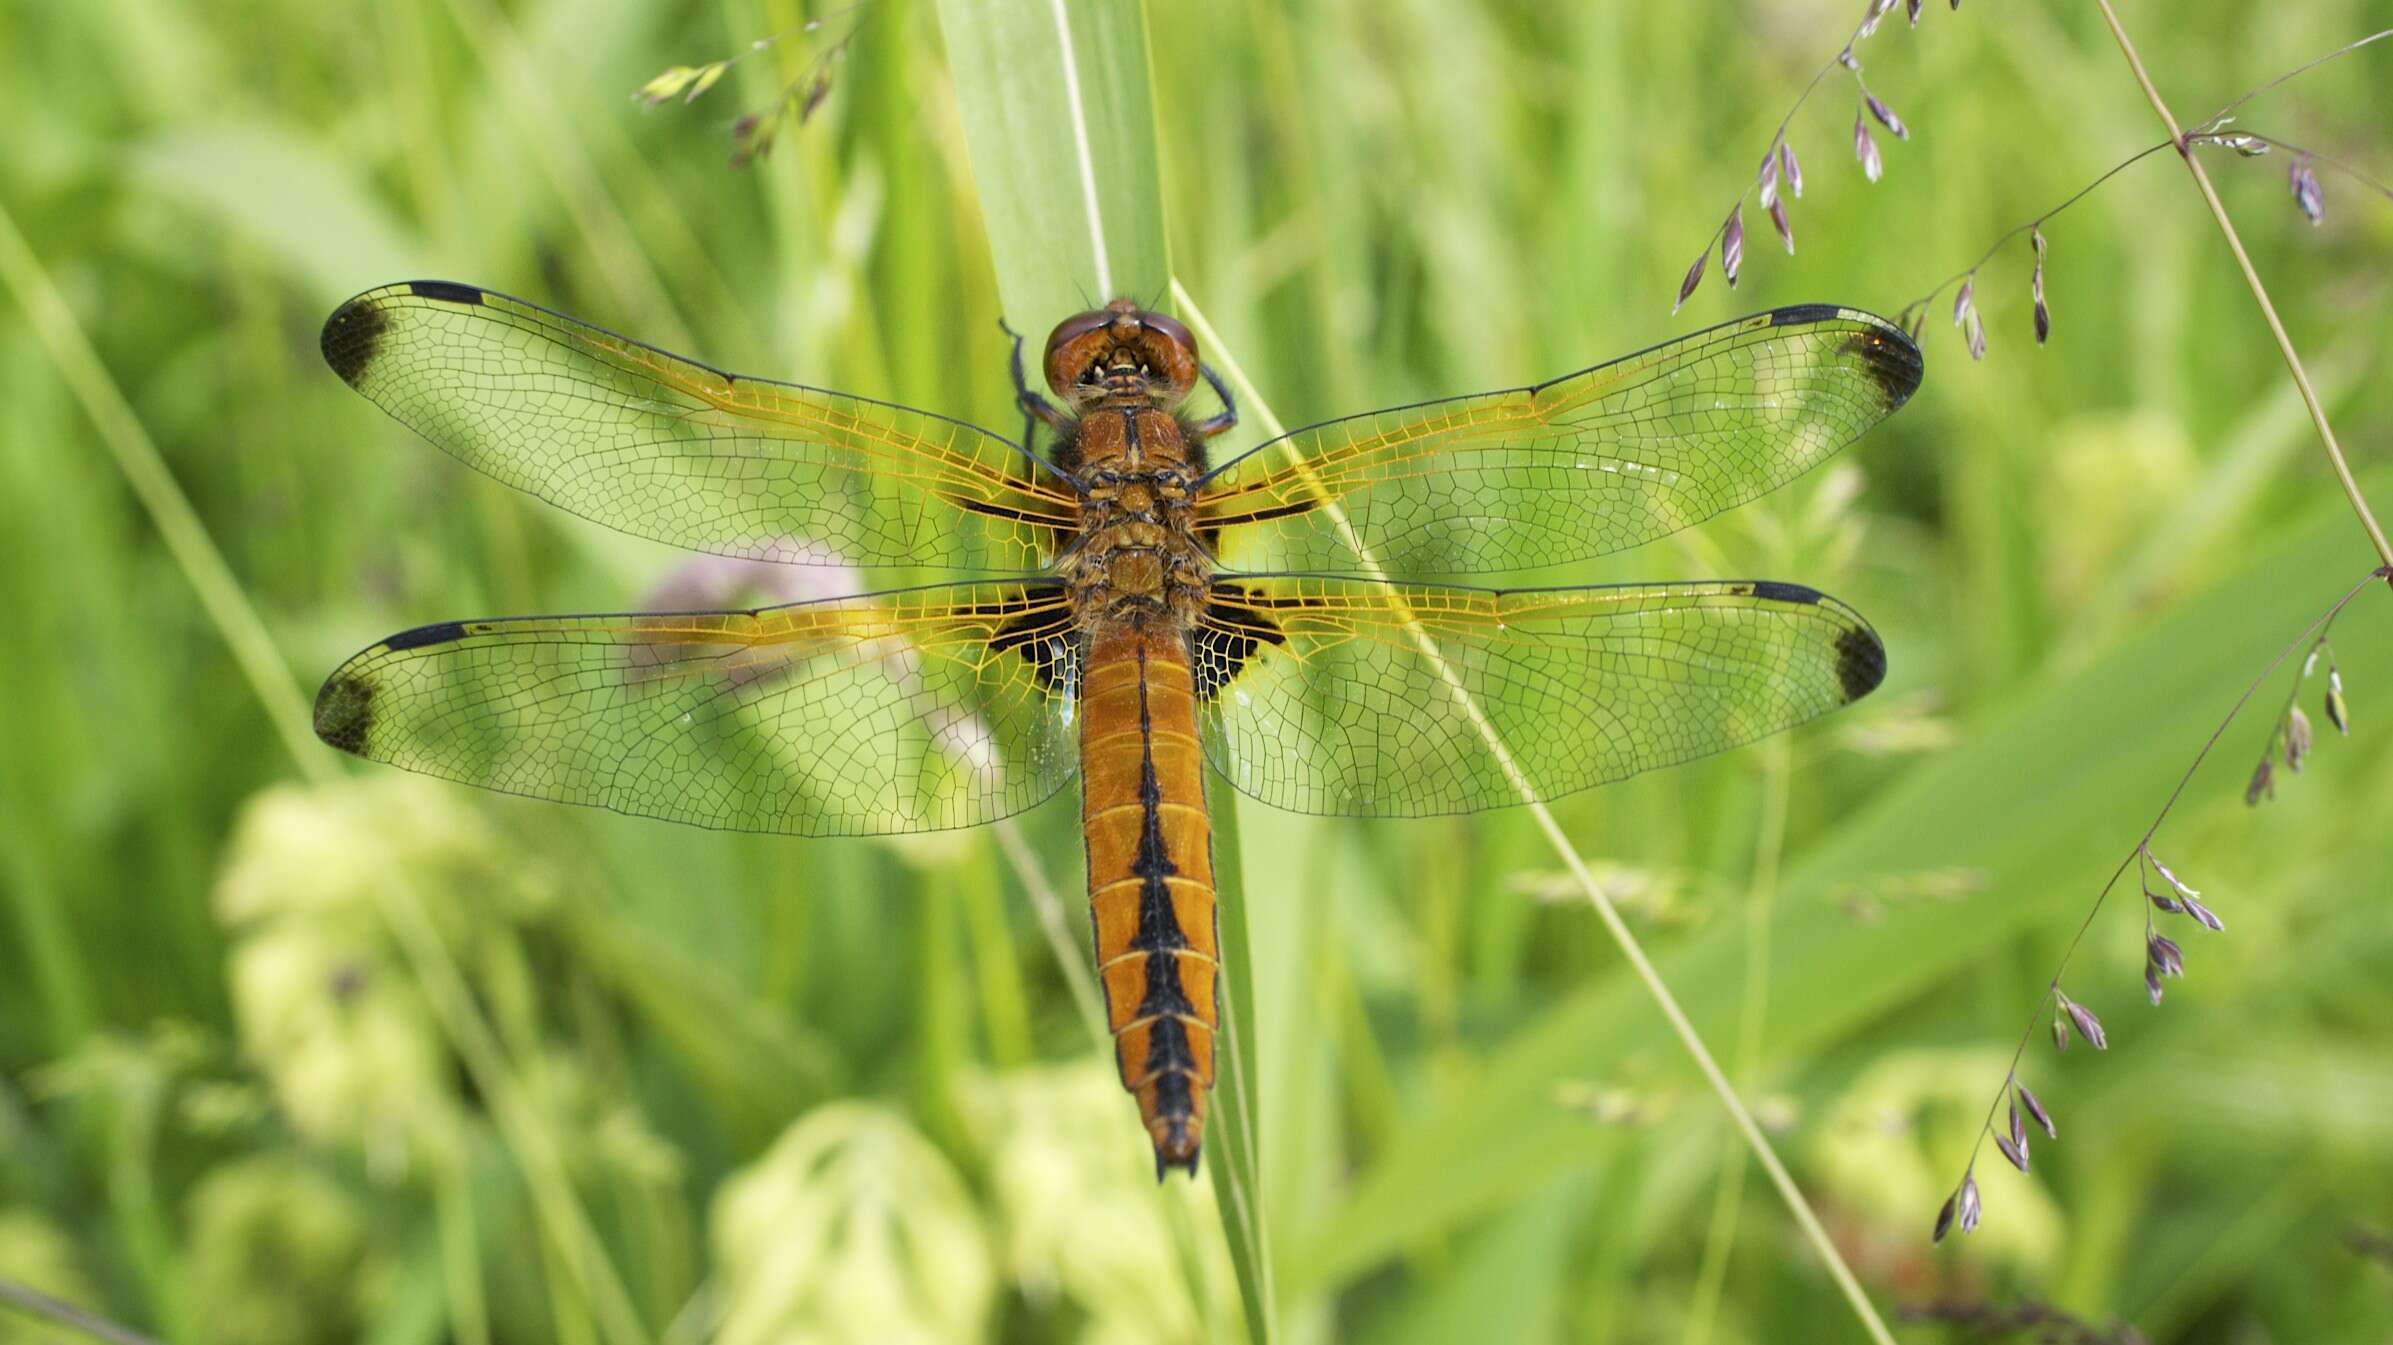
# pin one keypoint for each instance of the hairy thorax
(1137, 561)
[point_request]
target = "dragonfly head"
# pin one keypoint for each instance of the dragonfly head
(1121, 350)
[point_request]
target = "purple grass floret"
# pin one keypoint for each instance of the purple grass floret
(2015, 1152)
(2308, 197)
(2263, 785)
(2035, 1108)
(2168, 876)
(2087, 1025)
(1886, 116)
(2036, 288)
(1686, 287)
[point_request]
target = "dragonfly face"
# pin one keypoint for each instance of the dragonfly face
(1121, 350)
(1114, 611)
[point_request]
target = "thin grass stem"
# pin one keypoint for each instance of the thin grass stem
(2251, 277)
(2317, 628)
(623, 264)
(59, 1312)
(1048, 905)
(2295, 73)
(237, 622)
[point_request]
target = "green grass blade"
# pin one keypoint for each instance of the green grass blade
(1234, 1138)
(1070, 189)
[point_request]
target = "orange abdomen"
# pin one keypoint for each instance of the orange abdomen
(1150, 878)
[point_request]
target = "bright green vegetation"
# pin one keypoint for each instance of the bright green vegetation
(293, 1050)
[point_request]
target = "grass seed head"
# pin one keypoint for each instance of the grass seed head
(2035, 1108)
(2015, 1152)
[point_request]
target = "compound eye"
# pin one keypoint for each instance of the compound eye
(1171, 330)
(1076, 341)
(1078, 325)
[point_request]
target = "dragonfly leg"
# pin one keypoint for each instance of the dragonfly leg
(1228, 417)
(1035, 408)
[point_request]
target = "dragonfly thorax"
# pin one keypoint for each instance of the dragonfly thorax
(1137, 556)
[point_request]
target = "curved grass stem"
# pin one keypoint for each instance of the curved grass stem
(1251, 398)
(236, 620)
(1048, 905)
(2251, 278)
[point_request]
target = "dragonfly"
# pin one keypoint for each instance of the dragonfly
(1096, 600)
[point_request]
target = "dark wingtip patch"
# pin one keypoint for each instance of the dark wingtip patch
(1775, 591)
(352, 335)
(1860, 662)
(345, 712)
(1796, 313)
(439, 632)
(446, 291)
(1890, 359)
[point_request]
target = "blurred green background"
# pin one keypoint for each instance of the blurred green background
(333, 1053)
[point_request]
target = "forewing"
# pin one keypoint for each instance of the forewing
(666, 448)
(915, 710)
(1591, 463)
(1368, 699)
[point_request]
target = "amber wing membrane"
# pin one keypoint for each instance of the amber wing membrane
(1369, 699)
(915, 710)
(1591, 463)
(666, 448)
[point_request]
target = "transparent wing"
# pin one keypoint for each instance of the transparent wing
(914, 710)
(1368, 699)
(666, 448)
(1591, 463)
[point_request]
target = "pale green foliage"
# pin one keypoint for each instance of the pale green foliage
(323, 1001)
(1081, 1218)
(280, 1255)
(851, 1227)
(36, 1253)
